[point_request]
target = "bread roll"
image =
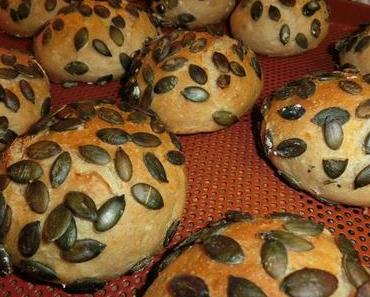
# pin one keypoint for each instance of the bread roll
(91, 196)
(194, 81)
(315, 130)
(354, 51)
(281, 257)
(192, 13)
(24, 94)
(92, 41)
(24, 18)
(280, 27)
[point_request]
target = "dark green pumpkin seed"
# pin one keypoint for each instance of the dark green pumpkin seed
(363, 44)
(195, 94)
(37, 196)
(284, 34)
(334, 168)
(165, 84)
(223, 81)
(292, 112)
(155, 167)
(60, 169)
(110, 115)
(87, 285)
(81, 205)
(188, 38)
(24, 171)
(145, 139)
(29, 239)
(119, 21)
(110, 213)
(11, 101)
(241, 287)
(83, 250)
(114, 136)
(198, 45)
(123, 165)
(305, 88)
(363, 109)
(171, 232)
(94, 154)
(137, 117)
(332, 113)
(291, 148)
(274, 13)
(57, 222)
(333, 134)
(157, 126)
(366, 144)
(224, 249)
(363, 178)
(101, 48)
(306, 282)
(66, 125)
(147, 196)
(186, 285)
(81, 38)
(76, 68)
(27, 90)
(45, 107)
(198, 74)
(140, 265)
(237, 69)
(274, 258)
(125, 60)
(68, 239)
(102, 11)
(310, 8)
(58, 24)
(148, 74)
(174, 64)
(116, 35)
(8, 59)
(315, 28)
(224, 118)
(256, 10)
(175, 158)
(290, 241)
(356, 274)
(37, 271)
(303, 227)
(345, 246)
(289, 3)
(8, 73)
(185, 18)
(301, 40)
(6, 267)
(50, 5)
(221, 63)
(47, 35)
(43, 149)
(176, 141)
(5, 222)
(350, 87)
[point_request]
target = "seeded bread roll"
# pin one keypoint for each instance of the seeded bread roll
(280, 27)
(24, 94)
(354, 51)
(260, 257)
(316, 132)
(24, 18)
(92, 196)
(194, 81)
(92, 41)
(193, 13)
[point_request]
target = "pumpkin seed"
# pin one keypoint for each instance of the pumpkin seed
(289, 240)
(185, 18)
(102, 11)
(137, 117)
(301, 40)
(157, 126)
(334, 168)
(123, 165)
(110, 115)
(363, 44)
(155, 167)
(6, 267)
(292, 112)
(11, 101)
(174, 64)
(237, 69)
(363, 109)
(274, 13)
(356, 274)
(76, 68)
(81, 38)
(37, 271)
(50, 5)
(83, 250)
(45, 107)
(58, 24)
(366, 145)
(147, 196)
(198, 45)
(188, 39)
(101, 48)
(306, 282)
(310, 8)
(256, 10)
(139, 266)
(284, 34)
(340, 115)
(303, 227)
(23, 10)
(315, 28)
(8, 59)
(68, 239)
(146, 101)
(148, 74)
(274, 258)
(37, 196)
(133, 10)
(6, 222)
(43, 149)
(47, 35)
(119, 21)
(24, 171)
(60, 169)
(110, 213)
(29, 239)
(350, 87)
(289, 3)
(81, 205)
(291, 148)
(8, 73)
(145, 139)
(363, 178)
(364, 290)
(224, 118)
(333, 134)
(223, 81)
(305, 88)
(165, 84)
(345, 246)
(113, 136)
(57, 222)
(195, 94)
(366, 78)
(27, 90)
(116, 35)
(66, 125)
(176, 141)
(171, 232)
(238, 49)
(161, 52)
(85, 285)
(175, 157)
(221, 63)
(238, 216)
(242, 287)
(94, 154)
(223, 249)
(188, 285)
(125, 60)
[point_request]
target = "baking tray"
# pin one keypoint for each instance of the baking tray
(225, 170)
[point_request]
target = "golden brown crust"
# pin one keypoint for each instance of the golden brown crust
(140, 232)
(262, 34)
(60, 50)
(325, 256)
(307, 169)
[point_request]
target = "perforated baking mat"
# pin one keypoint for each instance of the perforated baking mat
(225, 170)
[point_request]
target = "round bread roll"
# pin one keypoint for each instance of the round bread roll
(24, 18)
(354, 51)
(283, 256)
(192, 13)
(91, 196)
(280, 27)
(92, 41)
(315, 130)
(194, 81)
(24, 94)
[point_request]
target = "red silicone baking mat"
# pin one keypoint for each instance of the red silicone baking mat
(225, 171)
